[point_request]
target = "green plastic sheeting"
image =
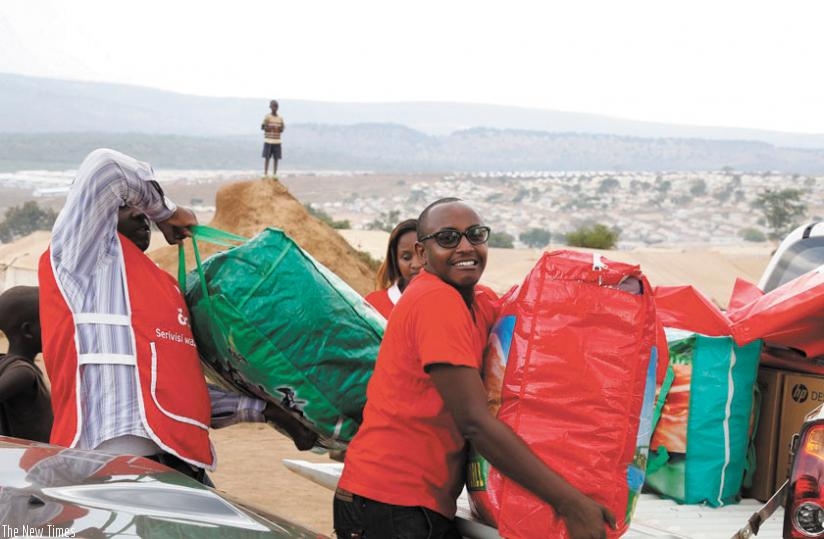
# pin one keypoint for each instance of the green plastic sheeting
(275, 323)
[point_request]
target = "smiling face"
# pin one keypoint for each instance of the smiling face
(134, 224)
(460, 266)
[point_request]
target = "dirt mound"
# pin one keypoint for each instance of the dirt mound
(248, 207)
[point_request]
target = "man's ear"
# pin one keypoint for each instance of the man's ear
(421, 252)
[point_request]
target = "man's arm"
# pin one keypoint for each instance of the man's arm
(176, 227)
(464, 395)
(231, 408)
(85, 228)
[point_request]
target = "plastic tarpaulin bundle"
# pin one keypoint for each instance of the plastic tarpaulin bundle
(273, 322)
(571, 362)
(789, 317)
(698, 452)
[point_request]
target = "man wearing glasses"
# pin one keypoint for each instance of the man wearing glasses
(404, 469)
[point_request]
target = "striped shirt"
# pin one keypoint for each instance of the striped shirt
(272, 125)
(88, 266)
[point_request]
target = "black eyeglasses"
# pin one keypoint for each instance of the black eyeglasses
(449, 238)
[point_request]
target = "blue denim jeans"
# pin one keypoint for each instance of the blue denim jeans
(357, 517)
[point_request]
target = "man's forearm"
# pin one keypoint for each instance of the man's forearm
(231, 408)
(507, 452)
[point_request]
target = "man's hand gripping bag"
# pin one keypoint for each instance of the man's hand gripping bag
(572, 365)
(273, 322)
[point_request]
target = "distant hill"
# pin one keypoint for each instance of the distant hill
(387, 147)
(53, 124)
(41, 105)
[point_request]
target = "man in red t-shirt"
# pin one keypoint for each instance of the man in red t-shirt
(404, 469)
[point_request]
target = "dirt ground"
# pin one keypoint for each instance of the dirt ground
(250, 468)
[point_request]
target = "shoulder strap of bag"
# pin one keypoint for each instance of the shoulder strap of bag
(666, 385)
(658, 456)
(210, 235)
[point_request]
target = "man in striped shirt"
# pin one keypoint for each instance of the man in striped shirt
(101, 396)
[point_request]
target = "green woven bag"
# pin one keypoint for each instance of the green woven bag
(274, 323)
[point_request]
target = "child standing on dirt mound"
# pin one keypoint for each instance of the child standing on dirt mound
(272, 126)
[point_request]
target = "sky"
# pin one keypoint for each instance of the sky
(729, 63)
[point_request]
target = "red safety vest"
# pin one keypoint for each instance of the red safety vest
(174, 400)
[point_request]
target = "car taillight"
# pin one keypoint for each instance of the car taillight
(804, 515)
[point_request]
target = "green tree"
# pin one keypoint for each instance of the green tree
(682, 200)
(386, 221)
(520, 195)
(501, 240)
(698, 187)
(22, 220)
(597, 236)
(609, 184)
(782, 210)
(751, 234)
(723, 194)
(536, 238)
(326, 218)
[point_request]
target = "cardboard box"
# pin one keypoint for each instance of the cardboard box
(770, 383)
(802, 394)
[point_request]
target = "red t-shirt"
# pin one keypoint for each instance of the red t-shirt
(408, 450)
(379, 299)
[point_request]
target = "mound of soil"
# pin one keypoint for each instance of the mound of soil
(248, 207)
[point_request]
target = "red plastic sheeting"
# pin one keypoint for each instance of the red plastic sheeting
(684, 307)
(573, 389)
(791, 316)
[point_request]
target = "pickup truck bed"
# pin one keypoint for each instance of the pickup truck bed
(654, 516)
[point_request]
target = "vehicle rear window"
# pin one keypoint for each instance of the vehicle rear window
(803, 256)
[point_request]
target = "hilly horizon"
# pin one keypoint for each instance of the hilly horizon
(52, 124)
(44, 105)
(395, 148)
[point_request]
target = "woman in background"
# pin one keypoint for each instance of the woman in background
(398, 267)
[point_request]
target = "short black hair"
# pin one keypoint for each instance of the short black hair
(18, 304)
(425, 213)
